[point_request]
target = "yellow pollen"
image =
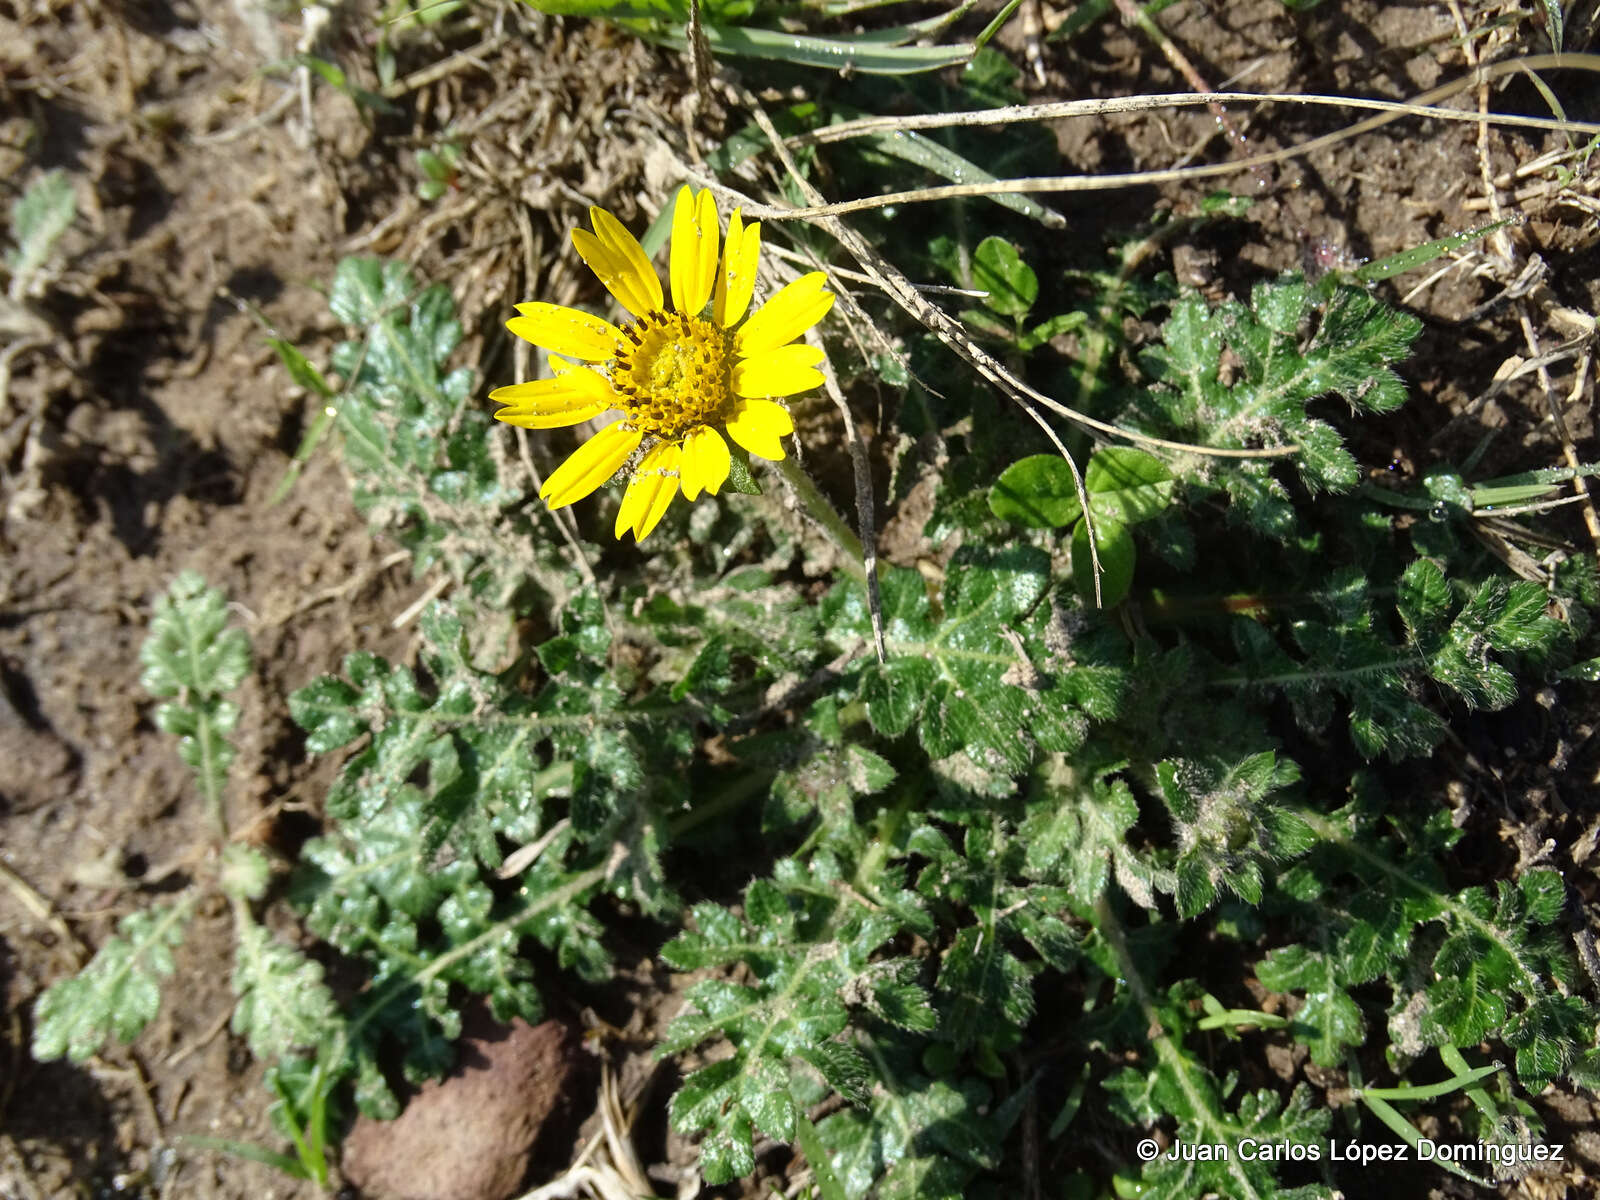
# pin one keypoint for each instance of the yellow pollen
(673, 374)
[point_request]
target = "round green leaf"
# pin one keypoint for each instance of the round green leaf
(1127, 485)
(1115, 544)
(1036, 491)
(998, 269)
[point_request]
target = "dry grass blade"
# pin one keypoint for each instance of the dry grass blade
(1119, 105)
(949, 331)
(862, 471)
(1103, 183)
(615, 1173)
(905, 293)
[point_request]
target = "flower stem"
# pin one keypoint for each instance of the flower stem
(823, 513)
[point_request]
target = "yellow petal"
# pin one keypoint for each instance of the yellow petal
(694, 251)
(590, 465)
(651, 492)
(780, 372)
(704, 467)
(573, 388)
(575, 395)
(616, 257)
(736, 282)
(786, 316)
(757, 426)
(616, 275)
(566, 331)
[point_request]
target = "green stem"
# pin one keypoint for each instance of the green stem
(1430, 1091)
(208, 773)
(735, 794)
(823, 513)
(1211, 1124)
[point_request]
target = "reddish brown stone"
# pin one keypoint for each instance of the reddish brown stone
(468, 1136)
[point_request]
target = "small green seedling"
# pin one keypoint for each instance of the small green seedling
(440, 170)
(1125, 487)
(1012, 288)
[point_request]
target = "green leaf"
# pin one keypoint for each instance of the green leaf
(764, 1093)
(1329, 1020)
(283, 1005)
(1544, 1036)
(38, 219)
(1229, 831)
(332, 75)
(998, 269)
(330, 710)
(802, 951)
(964, 682)
(1421, 256)
(1279, 371)
(1037, 491)
(191, 658)
(1117, 554)
(246, 872)
(426, 459)
(118, 993)
(1077, 836)
(1050, 328)
(1423, 599)
(921, 1139)
(300, 369)
(1554, 23)
(828, 1185)
(1545, 894)
(983, 981)
(1587, 671)
(1127, 485)
(190, 650)
(868, 57)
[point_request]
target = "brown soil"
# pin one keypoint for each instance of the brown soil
(149, 434)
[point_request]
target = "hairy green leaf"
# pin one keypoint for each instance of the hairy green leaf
(38, 219)
(118, 993)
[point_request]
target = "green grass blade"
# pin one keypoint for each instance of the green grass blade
(1431, 1091)
(994, 26)
(1403, 1129)
(838, 54)
(246, 1150)
(921, 151)
(302, 454)
(1418, 256)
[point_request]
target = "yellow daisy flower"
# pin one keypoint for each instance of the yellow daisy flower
(681, 377)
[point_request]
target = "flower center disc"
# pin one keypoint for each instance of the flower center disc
(674, 375)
